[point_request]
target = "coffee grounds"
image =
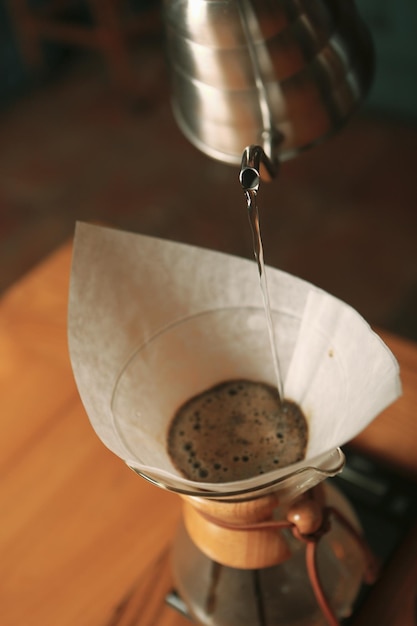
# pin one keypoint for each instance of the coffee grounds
(236, 430)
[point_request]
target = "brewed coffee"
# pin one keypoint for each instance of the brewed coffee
(236, 430)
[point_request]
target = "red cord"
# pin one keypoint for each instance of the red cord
(322, 601)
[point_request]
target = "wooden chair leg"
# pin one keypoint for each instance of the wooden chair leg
(114, 45)
(26, 32)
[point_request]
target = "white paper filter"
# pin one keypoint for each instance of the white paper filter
(153, 322)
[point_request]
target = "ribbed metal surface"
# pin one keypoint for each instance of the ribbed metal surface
(247, 72)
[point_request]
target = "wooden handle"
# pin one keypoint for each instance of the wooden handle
(214, 528)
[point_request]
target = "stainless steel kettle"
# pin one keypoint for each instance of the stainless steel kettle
(281, 74)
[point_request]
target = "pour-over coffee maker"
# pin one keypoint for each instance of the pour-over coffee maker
(153, 323)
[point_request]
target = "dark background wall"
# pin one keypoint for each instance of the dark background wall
(394, 26)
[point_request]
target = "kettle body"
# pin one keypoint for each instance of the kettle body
(282, 74)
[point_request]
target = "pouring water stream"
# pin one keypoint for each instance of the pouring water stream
(250, 179)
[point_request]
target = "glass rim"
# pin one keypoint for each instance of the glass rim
(231, 490)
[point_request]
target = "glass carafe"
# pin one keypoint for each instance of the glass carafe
(257, 560)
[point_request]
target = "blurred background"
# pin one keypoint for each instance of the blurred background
(87, 135)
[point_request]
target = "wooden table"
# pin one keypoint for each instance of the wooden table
(83, 541)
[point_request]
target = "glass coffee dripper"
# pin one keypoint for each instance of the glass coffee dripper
(273, 549)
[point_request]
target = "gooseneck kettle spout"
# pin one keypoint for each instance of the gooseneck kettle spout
(281, 74)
